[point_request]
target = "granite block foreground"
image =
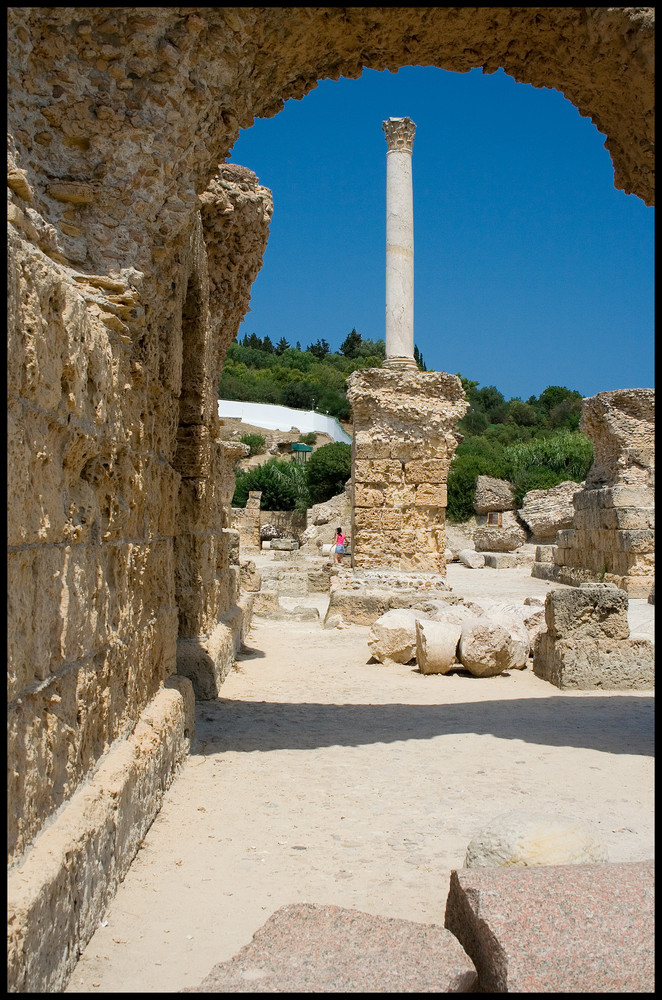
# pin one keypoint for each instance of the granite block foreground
(557, 929)
(328, 949)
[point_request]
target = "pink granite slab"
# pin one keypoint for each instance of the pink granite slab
(557, 929)
(305, 948)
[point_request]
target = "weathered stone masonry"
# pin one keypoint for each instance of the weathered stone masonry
(129, 269)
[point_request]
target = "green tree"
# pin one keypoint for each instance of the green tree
(351, 344)
(299, 395)
(328, 469)
(281, 346)
(522, 414)
(320, 348)
(473, 422)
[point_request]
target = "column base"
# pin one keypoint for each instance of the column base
(400, 364)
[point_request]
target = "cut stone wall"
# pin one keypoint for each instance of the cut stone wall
(120, 561)
(404, 439)
(613, 538)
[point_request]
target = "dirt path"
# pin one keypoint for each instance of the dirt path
(320, 777)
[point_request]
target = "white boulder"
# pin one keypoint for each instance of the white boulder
(486, 648)
(392, 637)
(471, 558)
(525, 839)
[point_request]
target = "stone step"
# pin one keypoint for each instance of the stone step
(557, 929)
(305, 948)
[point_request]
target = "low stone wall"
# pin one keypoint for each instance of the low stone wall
(57, 894)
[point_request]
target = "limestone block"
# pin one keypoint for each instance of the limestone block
(509, 536)
(621, 426)
(520, 838)
(493, 495)
(250, 577)
(436, 645)
(545, 512)
(486, 648)
(592, 611)
(364, 496)
(393, 636)
(373, 519)
(545, 553)
(588, 663)
(428, 495)
(378, 472)
(637, 541)
(501, 560)
(433, 471)
(471, 558)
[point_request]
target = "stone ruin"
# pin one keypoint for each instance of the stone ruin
(404, 440)
(612, 539)
(130, 260)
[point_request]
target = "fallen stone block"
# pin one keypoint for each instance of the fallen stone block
(557, 929)
(545, 512)
(501, 560)
(305, 948)
(520, 641)
(590, 611)
(471, 558)
(485, 648)
(393, 636)
(436, 646)
(523, 839)
(284, 544)
(586, 664)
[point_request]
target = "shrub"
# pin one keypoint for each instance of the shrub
(549, 461)
(328, 469)
(255, 442)
(284, 486)
(309, 438)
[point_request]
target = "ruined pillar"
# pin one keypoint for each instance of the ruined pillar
(612, 539)
(399, 244)
(404, 419)
(404, 440)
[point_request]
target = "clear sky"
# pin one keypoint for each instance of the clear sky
(531, 269)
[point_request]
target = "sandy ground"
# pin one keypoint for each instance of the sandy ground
(320, 777)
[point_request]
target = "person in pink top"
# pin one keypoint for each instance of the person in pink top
(339, 547)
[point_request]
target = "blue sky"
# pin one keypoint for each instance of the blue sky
(531, 269)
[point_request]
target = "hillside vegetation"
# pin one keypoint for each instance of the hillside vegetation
(533, 443)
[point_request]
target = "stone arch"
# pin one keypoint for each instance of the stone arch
(152, 100)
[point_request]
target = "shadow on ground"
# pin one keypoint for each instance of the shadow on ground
(612, 725)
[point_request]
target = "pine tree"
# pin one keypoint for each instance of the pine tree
(350, 344)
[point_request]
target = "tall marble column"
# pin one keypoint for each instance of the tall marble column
(399, 244)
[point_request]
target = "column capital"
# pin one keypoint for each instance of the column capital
(399, 134)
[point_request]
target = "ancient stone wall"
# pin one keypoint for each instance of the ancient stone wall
(613, 538)
(117, 495)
